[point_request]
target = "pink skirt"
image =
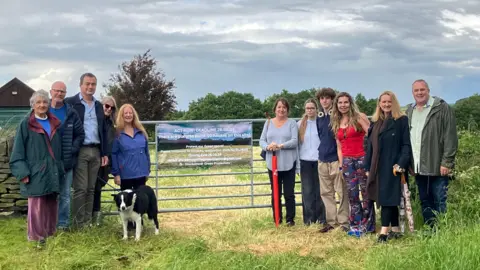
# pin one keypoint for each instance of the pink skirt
(42, 217)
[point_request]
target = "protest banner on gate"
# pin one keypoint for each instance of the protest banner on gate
(204, 144)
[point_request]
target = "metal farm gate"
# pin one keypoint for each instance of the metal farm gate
(255, 169)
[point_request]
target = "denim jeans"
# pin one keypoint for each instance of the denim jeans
(432, 191)
(64, 200)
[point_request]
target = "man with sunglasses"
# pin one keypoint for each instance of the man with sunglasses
(72, 135)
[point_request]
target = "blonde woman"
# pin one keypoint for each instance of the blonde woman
(130, 155)
(388, 149)
(109, 109)
(308, 142)
(350, 126)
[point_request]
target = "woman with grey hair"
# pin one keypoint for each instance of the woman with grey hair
(36, 162)
(109, 109)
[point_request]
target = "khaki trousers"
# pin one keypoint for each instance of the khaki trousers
(85, 177)
(331, 182)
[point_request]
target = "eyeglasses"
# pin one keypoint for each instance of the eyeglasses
(59, 91)
(107, 106)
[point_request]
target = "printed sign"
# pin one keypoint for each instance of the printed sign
(204, 144)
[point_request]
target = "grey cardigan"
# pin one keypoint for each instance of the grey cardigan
(286, 134)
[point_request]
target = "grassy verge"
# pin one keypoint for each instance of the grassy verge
(101, 248)
(455, 248)
(247, 239)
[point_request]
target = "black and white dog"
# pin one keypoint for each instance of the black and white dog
(132, 204)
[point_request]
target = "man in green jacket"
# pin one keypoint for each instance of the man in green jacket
(433, 134)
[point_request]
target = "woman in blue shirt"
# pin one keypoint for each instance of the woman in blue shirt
(280, 134)
(130, 155)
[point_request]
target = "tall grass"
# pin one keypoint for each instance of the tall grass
(451, 248)
(247, 239)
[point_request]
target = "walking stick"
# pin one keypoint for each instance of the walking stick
(401, 219)
(276, 206)
(405, 204)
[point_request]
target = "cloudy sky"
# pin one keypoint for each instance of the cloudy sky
(258, 46)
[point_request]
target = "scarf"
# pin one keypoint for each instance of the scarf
(372, 185)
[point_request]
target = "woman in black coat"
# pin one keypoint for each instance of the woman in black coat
(388, 149)
(109, 108)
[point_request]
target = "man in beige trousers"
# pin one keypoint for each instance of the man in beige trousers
(329, 168)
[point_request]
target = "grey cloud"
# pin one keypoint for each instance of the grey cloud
(395, 40)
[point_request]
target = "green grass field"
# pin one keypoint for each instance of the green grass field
(247, 239)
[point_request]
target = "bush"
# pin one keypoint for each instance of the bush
(468, 150)
(463, 196)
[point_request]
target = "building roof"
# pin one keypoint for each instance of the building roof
(16, 82)
(15, 93)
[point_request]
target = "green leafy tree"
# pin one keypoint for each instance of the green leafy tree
(467, 112)
(229, 105)
(295, 100)
(140, 83)
(175, 115)
(366, 106)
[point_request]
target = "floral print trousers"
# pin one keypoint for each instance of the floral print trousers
(362, 212)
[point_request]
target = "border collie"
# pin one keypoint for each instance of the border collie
(132, 204)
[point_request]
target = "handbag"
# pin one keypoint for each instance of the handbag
(263, 154)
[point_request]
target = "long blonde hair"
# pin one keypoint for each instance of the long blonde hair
(396, 110)
(353, 113)
(136, 120)
(303, 122)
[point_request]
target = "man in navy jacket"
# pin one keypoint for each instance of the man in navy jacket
(73, 136)
(93, 152)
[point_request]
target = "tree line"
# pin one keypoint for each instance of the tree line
(141, 83)
(236, 105)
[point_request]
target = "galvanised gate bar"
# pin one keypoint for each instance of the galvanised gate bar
(249, 172)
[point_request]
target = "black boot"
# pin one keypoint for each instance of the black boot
(382, 238)
(394, 235)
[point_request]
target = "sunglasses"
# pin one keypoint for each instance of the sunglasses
(109, 107)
